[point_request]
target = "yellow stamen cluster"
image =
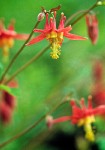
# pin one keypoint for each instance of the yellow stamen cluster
(86, 122)
(6, 44)
(56, 40)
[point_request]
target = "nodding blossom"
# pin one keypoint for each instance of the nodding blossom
(81, 116)
(98, 89)
(53, 35)
(7, 103)
(8, 98)
(92, 27)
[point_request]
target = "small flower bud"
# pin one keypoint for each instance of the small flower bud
(100, 3)
(41, 16)
(49, 121)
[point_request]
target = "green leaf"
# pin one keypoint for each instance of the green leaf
(6, 88)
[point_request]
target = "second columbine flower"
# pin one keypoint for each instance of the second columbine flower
(81, 116)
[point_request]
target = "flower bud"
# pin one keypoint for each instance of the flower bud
(92, 26)
(100, 2)
(41, 16)
(49, 121)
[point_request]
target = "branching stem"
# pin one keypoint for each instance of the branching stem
(17, 54)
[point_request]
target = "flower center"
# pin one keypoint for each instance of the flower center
(6, 42)
(86, 122)
(56, 40)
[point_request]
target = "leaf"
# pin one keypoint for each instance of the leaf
(6, 88)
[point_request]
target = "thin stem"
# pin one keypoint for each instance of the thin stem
(22, 133)
(95, 5)
(65, 100)
(38, 55)
(27, 64)
(72, 16)
(17, 54)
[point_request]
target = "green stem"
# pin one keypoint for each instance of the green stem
(72, 16)
(65, 100)
(23, 67)
(34, 58)
(27, 64)
(17, 54)
(87, 11)
(22, 133)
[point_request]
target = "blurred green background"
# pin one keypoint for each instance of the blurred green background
(46, 82)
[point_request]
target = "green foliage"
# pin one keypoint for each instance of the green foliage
(46, 82)
(6, 88)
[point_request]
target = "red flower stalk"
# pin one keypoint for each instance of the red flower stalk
(82, 116)
(54, 35)
(92, 27)
(5, 113)
(7, 37)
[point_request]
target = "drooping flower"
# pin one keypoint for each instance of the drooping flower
(82, 116)
(53, 35)
(98, 88)
(98, 71)
(8, 98)
(92, 27)
(5, 113)
(7, 37)
(7, 102)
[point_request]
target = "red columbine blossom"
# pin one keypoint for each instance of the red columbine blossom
(7, 37)
(92, 26)
(8, 98)
(98, 71)
(82, 116)
(54, 35)
(5, 113)
(7, 104)
(98, 90)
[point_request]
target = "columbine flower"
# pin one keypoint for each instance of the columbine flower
(98, 89)
(7, 37)
(5, 113)
(82, 116)
(54, 35)
(98, 71)
(8, 98)
(7, 103)
(92, 26)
